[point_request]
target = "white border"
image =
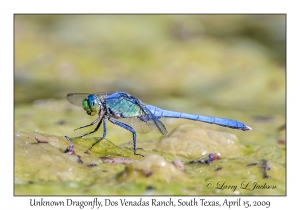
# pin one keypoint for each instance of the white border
(6, 74)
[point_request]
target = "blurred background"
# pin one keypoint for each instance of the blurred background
(235, 61)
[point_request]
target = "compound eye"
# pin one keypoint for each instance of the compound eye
(91, 105)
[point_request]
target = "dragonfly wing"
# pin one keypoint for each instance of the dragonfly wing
(152, 118)
(130, 107)
(138, 125)
(144, 126)
(158, 124)
(123, 104)
(77, 98)
(103, 95)
(161, 127)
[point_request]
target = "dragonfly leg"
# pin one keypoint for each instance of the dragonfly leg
(127, 127)
(104, 133)
(89, 124)
(97, 127)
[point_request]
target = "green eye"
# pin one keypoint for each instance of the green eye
(91, 105)
(85, 105)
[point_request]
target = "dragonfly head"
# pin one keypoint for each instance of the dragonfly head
(91, 105)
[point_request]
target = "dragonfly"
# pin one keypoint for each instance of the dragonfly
(132, 114)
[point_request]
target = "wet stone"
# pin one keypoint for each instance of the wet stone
(151, 167)
(190, 141)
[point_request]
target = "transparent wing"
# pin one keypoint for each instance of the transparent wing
(144, 126)
(134, 112)
(77, 98)
(138, 125)
(161, 127)
(123, 104)
(103, 95)
(152, 118)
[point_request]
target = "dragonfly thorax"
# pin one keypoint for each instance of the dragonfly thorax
(91, 105)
